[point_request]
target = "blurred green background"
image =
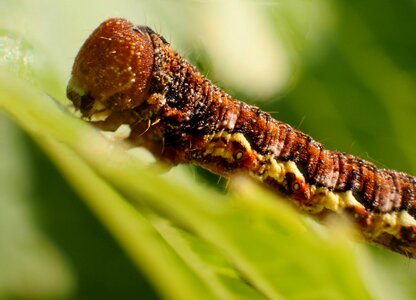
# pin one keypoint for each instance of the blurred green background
(341, 71)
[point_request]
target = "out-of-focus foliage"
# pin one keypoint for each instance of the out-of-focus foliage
(342, 71)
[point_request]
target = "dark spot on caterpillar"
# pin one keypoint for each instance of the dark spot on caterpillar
(408, 233)
(290, 181)
(86, 103)
(126, 74)
(296, 187)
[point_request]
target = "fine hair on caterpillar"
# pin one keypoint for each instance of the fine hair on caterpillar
(127, 74)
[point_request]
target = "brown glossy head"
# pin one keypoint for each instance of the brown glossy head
(113, 68)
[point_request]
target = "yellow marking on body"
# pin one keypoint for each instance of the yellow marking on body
(332, 201)
(278, 170)
(214, 150)
(339, 201)
(348, 199)
(275, 170)
(405, 219)
(221, 152)
(320, 198)
(392, 223)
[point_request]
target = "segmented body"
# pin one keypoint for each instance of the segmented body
(131, 75)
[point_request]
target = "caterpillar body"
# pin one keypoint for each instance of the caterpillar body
(126, 74)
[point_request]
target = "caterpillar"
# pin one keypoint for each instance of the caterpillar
(127, 74)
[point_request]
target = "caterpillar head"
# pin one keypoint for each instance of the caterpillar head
(113, 69)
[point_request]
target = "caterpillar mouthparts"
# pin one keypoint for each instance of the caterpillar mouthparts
(129, 75)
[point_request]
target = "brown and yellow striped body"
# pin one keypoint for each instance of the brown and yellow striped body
(130, 75)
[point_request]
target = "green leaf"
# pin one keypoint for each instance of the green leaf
(31, 266)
